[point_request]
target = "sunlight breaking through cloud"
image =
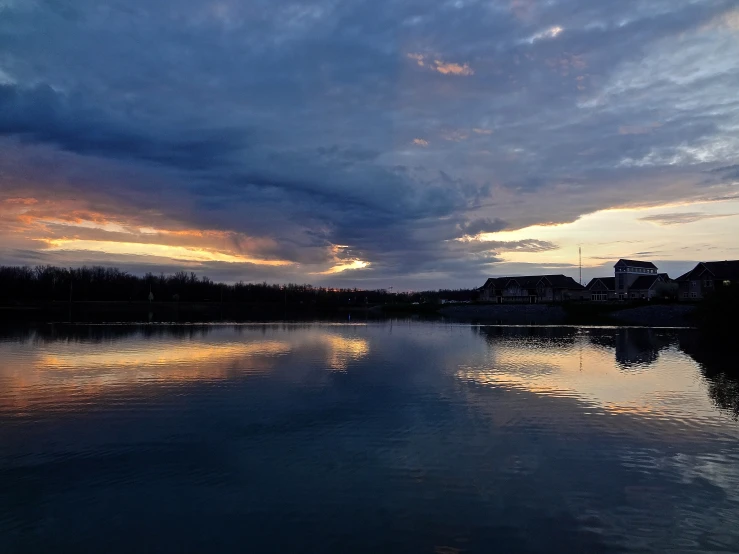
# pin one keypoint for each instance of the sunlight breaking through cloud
(391, 128)
(552, 32)
(158, 250)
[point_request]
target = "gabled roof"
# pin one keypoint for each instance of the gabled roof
(531, 281)
(723, 270)
(608, 282)
(564, 282)
(718, 270)
(645, 282)
(636, 263)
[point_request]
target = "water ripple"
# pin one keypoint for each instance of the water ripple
(364, 438)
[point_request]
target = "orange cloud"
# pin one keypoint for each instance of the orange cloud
(82, 228)
(440, 66)
(354, 264)
(453, 68)
(21, 201)
(418, 58)
(181, 253)
(420, 142)
(343, 263)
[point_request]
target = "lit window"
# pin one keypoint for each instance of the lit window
(727, 283)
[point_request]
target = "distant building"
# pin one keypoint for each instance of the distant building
(602, 289)
(633, 279)
(627, 272)
(706, 277)
(532, 289)
(647, 287)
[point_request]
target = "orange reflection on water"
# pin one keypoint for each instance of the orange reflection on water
(76, 372)
(589, 373)
(146, 355)
(66, 373)
(343, 350)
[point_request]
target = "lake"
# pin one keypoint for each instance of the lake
(350, 438)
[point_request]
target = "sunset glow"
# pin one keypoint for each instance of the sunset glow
(441, 145)
(161, 250)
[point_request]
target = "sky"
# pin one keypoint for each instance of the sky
(379, 143)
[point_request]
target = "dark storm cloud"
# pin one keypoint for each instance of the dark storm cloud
(392, 127)
(39, 114)
(728, 174)
(484, 225)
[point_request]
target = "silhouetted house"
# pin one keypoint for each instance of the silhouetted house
(532, 289)
(706, 277)
(602, 289)
(647, 287)
(627, 272)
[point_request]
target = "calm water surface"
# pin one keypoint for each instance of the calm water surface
(391, 437)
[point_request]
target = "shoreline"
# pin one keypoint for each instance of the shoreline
(653, 315)
(647, 315)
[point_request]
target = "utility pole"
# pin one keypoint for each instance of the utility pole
(70, 295)
(579, 249)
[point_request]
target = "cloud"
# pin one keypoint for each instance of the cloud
(447, 68)
(484, 225)
(727, 174)
(681, 218)
(552, 32)
(280, 130)
(637, 129)
(440, 66)
(525, 245)
(177, 253)
(41, 114)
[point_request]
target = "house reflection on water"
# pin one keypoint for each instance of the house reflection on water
(591, 439)
(621, 369)
(633, 370)
(634, 348)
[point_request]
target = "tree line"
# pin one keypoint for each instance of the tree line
(45, 283)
